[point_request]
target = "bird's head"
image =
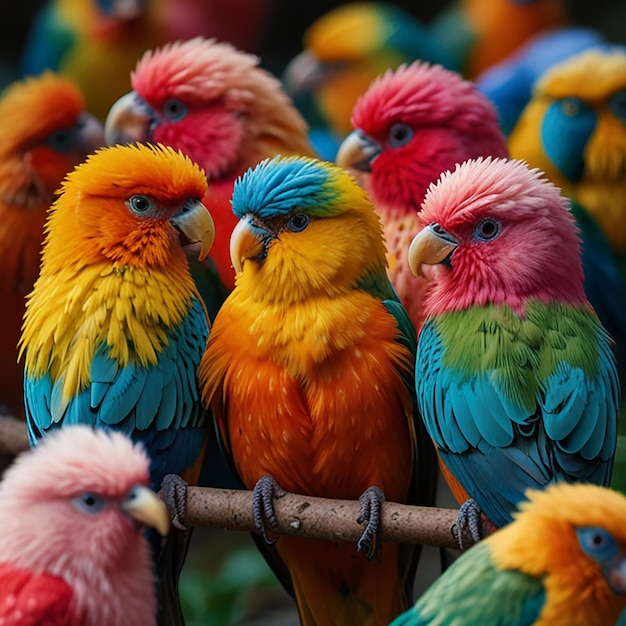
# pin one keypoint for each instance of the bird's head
(496, 232)
(131, 206)
(45, 133)
(212, 102)
(79, 500)
(576, 536)
(305, 228)
(347, 47)
(574, 127)
(412, 124)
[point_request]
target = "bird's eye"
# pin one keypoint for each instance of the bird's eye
(62, 140)
(598, 543)
(571, 106)
(89, 503)
(487, 229)
(298, 222)
(174, 110)
(139, 204)
(399, 135)
(617, 104)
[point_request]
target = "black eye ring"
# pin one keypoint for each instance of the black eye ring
(89, 503)
(298, 222)
(487, 229)
(139, 204)
(174, 110)
(399, 134)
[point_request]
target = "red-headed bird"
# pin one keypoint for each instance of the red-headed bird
(45, 131)
(215, 104)
(71, 548)
(409, 126)
(515, 375)
(309, 373)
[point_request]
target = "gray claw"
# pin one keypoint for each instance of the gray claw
(468, 522)
(263, 495)
(371, 501)
(173, 492)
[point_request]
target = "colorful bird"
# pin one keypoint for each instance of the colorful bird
(562, 561)
(309, 367)
(481, 33)
(115, 328)
(515, 376)
(71, 550)
(509, 83)
(45, 132)
(344, 50)
(95, 43)
(574, 130)
(410, 125)
(215, 104)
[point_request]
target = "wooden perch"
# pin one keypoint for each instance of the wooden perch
(321, 518)
(318, 518)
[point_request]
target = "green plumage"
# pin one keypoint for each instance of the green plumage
(515, 598)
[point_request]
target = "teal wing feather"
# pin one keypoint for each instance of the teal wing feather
(512, 422)
(474, 592)
(158, 404)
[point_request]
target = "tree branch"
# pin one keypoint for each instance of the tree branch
(321, 518)
(302, 516)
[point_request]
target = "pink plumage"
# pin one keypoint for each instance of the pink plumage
(411, 125)
(72, 510)
(215, 104)
(518, 264)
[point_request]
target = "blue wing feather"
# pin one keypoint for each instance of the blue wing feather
(496, 448)
(157, 404)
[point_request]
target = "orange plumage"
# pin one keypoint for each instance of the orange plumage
(45, 133)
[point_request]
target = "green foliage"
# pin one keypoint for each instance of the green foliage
(223, 597)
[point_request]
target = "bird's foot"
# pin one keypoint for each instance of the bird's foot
(371, 501)
(469, 523)
(263, 495)
(174, 493)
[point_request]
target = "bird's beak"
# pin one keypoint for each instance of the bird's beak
(146, 508)
(432, 245)
(357, 151)
(128, 121)
(195, 228)
(91, 133)
(248, 241)
(616, 575)
(303, 74)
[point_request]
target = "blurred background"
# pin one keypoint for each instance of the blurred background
(225, 580)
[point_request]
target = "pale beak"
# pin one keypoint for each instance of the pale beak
(90, 132)
(195, 228)
(304, 74)
(616, 575)
(432, 245)
(248, 241)
(128, 121)
(147, 509)
(357, 151)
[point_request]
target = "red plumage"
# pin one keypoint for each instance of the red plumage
(411, 125)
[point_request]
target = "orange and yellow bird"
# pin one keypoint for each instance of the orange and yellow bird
(308, 370)
(45, 132)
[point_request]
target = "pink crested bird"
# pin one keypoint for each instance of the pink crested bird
(411, 125)
(215, 104)
(72, 551)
